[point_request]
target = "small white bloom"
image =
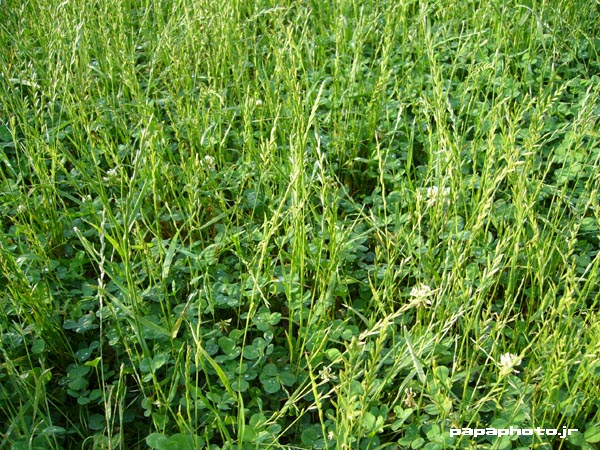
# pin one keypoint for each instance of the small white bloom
(434, 194)
(420, 295)
(409, 399)
(258, 102)
(508, 362)
(223, 325)
(208, 162)
(432, 191)
(110, 174)
(327, 375)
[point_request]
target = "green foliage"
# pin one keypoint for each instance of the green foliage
(326, 225)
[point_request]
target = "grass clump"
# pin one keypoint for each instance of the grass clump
(350, 225)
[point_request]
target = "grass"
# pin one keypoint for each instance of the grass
(329, 225)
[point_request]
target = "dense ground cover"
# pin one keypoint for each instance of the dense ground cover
(298, 224)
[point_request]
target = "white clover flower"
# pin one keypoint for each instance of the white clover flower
(327, 375)
(409, 399)
(111, 174)
(435, 194)
(508, 362)
(420, 295)
(208, 162)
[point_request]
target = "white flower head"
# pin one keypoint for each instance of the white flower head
(508, 362)
(434, 194)
(410, 399)
(111, 174)
(327, 375)
(208, 162)
(420, 295)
